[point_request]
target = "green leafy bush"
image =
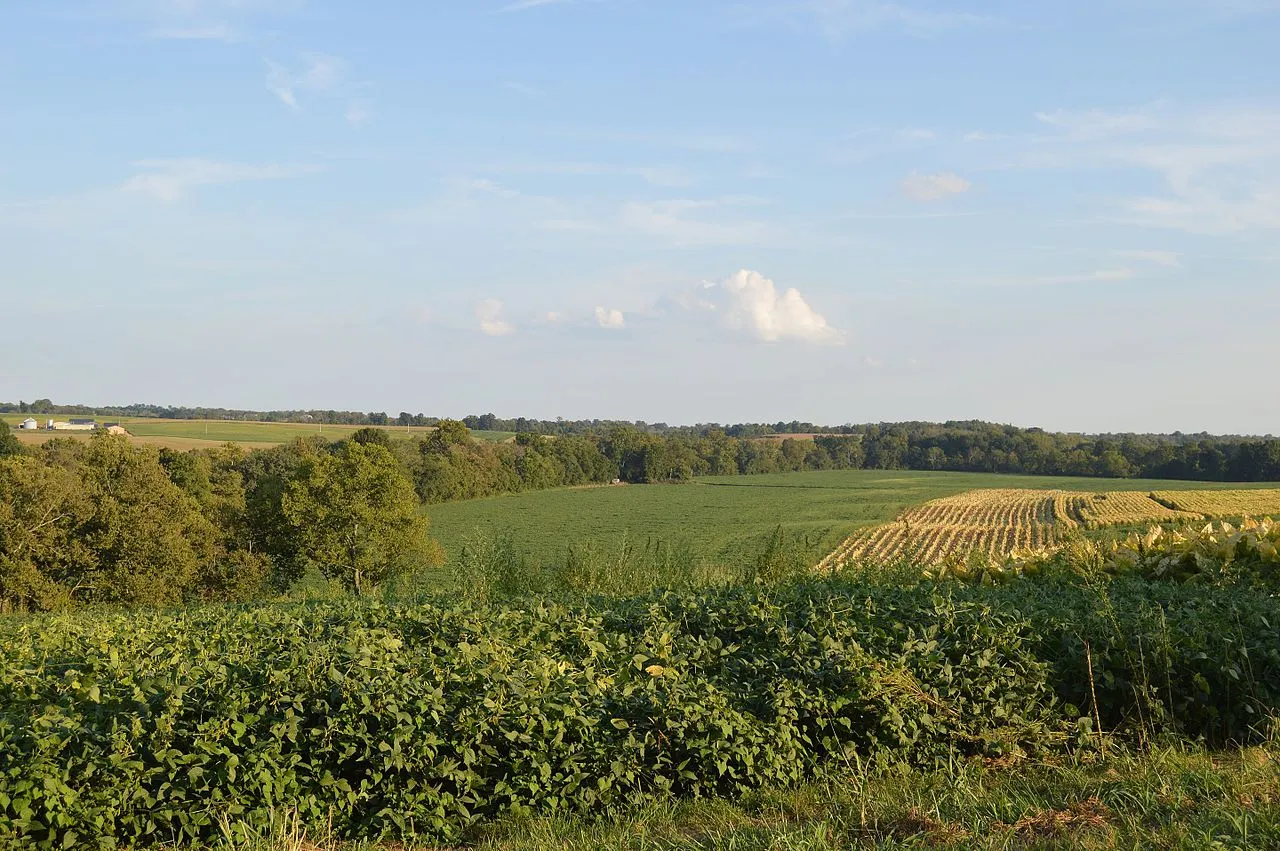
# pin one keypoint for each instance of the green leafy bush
(420, 720)
(1158, 656)
(391, 721)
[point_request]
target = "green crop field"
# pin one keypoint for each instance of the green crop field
(727, 519)
(234, 431)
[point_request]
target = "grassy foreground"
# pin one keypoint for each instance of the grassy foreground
(727, 520)
(1175, 797)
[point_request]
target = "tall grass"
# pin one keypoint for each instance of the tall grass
(1178, 797)
(490, 566)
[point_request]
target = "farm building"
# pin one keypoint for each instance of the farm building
(73, 425)
(29, 424)
(115, 428)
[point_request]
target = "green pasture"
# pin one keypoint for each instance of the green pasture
(727, 519)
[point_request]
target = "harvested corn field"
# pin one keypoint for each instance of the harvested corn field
(999, 522)
(992, 521)
(1252, 503)
(1123, 508)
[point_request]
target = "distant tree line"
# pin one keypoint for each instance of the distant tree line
(167, 412)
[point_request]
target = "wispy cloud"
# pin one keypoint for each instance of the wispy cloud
(171, 179)
(1092, 124)
(322, 74)
(1220, 165)
(655, 175)
(489, 314)
(217, 20)
(708, 143)
(1167, 259)
(1098, 276)
(211, 32)
(357, 113)
(984, 136)
(687, 223)
(524, 89)
(934, 187)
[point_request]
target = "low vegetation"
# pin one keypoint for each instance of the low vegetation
(425, 721)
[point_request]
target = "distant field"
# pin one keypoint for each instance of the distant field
(727, 519)
(194, 434)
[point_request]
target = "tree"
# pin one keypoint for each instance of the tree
(43, 559)
(152, 541)
(9, 443)
(369, 435)
(355, 514)
(448, 433)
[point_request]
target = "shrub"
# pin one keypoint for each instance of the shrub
(392, 721)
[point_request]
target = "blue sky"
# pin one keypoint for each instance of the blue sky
(1063, 214)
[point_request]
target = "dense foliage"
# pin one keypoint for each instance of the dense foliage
(392, 721)
(104, 521)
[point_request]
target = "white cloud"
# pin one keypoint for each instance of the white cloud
(749, 302)
(489, 313)
(322, 74)
(170, 180)
(612, 319)
(934, 187)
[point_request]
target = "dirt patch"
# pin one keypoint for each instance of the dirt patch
(1083, 816)
(918, 825)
